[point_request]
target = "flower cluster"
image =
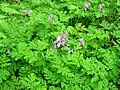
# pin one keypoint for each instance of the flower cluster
(101, 7)
(61, 40)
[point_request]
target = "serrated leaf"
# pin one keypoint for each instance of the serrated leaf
(9, 10)
(2, 35)
(2, 16)
(4, 24)
(71, 30)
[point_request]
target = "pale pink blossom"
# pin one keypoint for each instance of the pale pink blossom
(81, 42)
(61, 40)
(87, 4)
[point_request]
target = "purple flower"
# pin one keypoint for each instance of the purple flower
(81, 41)
(61, 40)
(87, 4)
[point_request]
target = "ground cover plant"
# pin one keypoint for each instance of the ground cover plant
(59, 45)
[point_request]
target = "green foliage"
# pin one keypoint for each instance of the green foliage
(88, 58)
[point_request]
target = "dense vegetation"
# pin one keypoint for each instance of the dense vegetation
(59, 45)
